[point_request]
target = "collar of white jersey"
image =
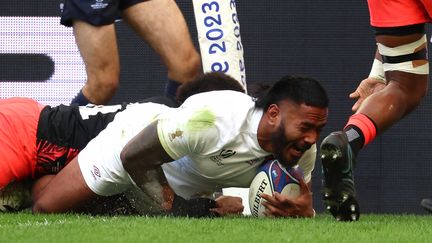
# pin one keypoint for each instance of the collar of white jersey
(255, 119)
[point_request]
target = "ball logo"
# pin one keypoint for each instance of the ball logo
(261, 189)
(273, 177)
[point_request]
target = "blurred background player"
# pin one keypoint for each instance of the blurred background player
(215, 140)
(396, 85)
(158, 22)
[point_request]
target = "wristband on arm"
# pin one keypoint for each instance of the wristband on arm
(196, 207)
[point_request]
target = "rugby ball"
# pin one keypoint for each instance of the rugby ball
(273, 177)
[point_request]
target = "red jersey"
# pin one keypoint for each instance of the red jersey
(18, 127)
(396, 13)
(36, 140)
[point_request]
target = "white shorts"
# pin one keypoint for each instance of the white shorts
(101, 166)
(100, 162)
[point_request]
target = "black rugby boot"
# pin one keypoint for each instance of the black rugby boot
(337, 167)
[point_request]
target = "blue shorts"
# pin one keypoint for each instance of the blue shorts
(94, 12)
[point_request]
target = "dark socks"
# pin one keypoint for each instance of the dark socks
(80, 99)
(360, 130)
(171, 88)
(355, 138)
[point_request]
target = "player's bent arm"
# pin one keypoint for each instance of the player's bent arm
(144, 152)
(141, 158)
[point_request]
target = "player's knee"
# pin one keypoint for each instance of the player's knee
(186, 69)
(193, 68)
(101, 89)
(194, 62)
(109, 85)
(125, 158)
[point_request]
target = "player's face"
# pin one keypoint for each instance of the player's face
(299, 128)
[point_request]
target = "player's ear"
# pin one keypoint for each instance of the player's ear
(273, 114)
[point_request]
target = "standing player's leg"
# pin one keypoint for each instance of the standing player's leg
(98, 48)
(406, 69)
(162, 25)
(93, 27)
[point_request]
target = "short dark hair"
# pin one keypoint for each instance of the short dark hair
(208, 82)
(296, 89)
(259, 89)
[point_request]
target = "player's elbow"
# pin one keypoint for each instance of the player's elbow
(126, 159)
(130, 160)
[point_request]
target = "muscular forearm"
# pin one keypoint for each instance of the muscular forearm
(141, 158)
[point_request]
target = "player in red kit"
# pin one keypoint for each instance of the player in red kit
(396, 85)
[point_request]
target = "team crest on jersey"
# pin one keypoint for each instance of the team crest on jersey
(223, 154)
(175, 135)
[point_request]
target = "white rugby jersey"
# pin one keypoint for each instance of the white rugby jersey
(212, 137)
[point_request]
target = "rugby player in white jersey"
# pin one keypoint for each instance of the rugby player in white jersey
(37, 141)
(218, 139)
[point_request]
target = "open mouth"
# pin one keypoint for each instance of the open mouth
(299, 151)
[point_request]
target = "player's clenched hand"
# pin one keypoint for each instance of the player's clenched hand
(280, 205)
(367, 87)
(228, 205)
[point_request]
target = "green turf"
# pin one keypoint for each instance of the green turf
(24, 227)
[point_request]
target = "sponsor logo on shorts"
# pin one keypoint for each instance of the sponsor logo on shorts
(99, 4)
(95, 172)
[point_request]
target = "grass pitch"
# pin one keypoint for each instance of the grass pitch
(25, 227)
